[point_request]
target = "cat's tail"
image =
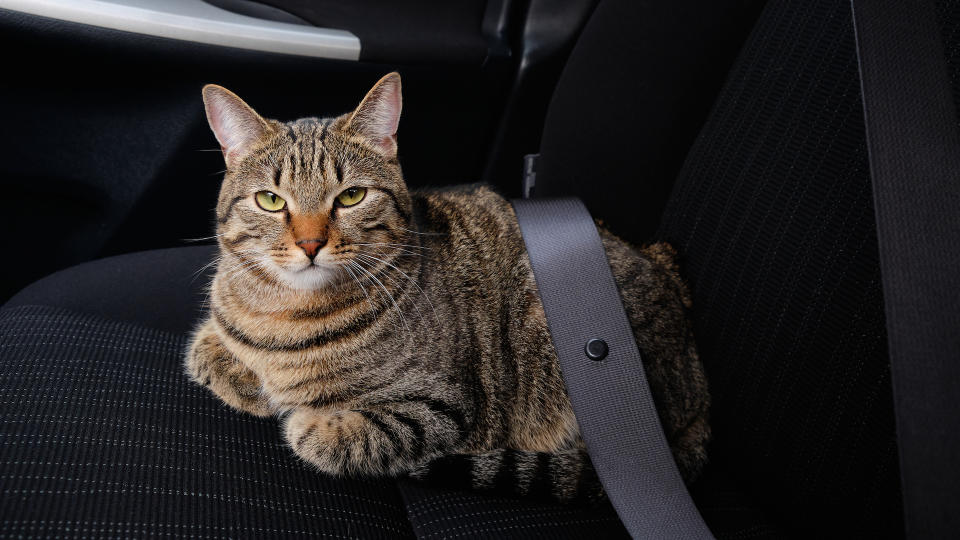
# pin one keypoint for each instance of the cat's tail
(564, 476)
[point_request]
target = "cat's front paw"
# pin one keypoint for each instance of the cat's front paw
(209, 364)
(338, 442)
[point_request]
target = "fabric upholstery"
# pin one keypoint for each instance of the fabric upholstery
(948, 13)
(773, 217)
(163, 289)
(102, 435)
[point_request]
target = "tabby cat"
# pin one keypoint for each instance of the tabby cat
(401, 333)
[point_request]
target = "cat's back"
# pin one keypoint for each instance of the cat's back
(475, 232)
(474, 245)
(474, 214)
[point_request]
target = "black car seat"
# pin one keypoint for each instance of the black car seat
(772, 213)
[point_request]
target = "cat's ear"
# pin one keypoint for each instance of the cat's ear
(236, 125)
(378, 115)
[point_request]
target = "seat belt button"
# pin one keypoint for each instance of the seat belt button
(596, 349)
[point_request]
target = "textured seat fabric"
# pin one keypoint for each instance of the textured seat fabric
(102, 435)
(163, 289)
(773, 217)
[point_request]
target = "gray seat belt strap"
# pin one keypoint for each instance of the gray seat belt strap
(606, 381)
(914, 149)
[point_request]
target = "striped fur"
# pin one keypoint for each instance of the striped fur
(417, 344)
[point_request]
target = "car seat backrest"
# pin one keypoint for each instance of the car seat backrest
(773, 214)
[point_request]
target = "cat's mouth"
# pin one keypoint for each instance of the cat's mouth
(310, 276)
(315, 265)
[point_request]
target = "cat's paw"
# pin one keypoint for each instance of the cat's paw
(209, 364)
(242, 390)
(338, 442)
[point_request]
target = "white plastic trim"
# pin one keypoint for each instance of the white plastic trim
(197, 21)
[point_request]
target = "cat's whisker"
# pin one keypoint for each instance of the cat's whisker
(212, 262)
(201, 239)
(342, 283)
(403, 320)
(362, 288)
(413, 281)
(204, 267)
(387, 250)
(394, 251)
(232, 270)
(235, 257)
(206, 299)
(423, 233)
(360, 269)
(205, 304)
(392, 244)
(237, 267)
(400, 286)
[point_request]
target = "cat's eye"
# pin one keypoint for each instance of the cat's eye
(269, 201)
(351, 196)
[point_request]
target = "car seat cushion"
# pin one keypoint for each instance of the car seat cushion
(102, 435)
(163, 289)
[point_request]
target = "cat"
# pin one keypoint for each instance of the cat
(399, 332)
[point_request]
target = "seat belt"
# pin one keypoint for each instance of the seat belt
(603, 372)
(914, 153)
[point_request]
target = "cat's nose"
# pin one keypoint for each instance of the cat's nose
(312, 247)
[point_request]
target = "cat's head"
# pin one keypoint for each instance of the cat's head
(301, 200)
